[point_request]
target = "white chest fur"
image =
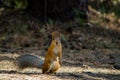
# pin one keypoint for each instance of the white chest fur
(56, 50)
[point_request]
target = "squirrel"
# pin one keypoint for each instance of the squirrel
(54, 55)
(52, 60)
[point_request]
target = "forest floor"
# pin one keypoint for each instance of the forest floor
(90, 51)
(86, 64)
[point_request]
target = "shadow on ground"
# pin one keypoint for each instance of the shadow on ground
(90, 76)
(67, 75)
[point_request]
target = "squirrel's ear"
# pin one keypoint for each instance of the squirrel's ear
(53, 34)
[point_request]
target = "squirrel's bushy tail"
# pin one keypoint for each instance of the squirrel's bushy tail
(28, 60)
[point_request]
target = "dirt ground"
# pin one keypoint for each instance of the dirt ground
(76, 66)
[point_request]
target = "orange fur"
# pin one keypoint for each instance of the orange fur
(53, 56)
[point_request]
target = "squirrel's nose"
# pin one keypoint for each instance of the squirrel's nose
(56, 43)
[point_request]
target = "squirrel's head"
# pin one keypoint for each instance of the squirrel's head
(55, 35)
(56, 42)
